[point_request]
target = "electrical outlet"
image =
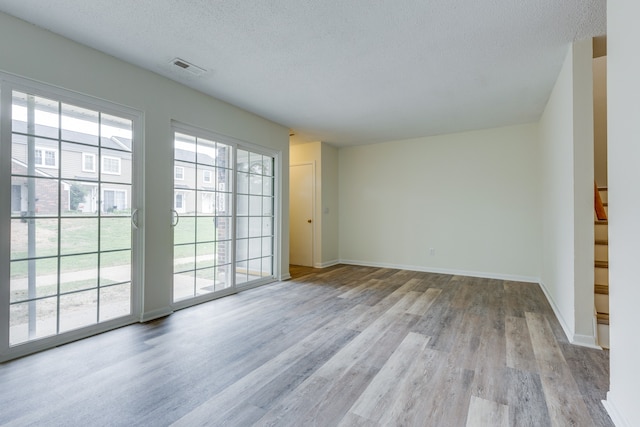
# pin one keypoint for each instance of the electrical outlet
(432, 252)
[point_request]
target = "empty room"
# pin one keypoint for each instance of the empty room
(416, 213)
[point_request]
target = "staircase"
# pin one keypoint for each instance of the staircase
(601, 266)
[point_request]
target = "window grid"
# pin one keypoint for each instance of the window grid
(202, 239)
(55, 194)
(254, 221)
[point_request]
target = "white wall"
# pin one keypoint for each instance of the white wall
(624, 214)
(325, 159)
(37, 54)
(473, 197)
(566, 138)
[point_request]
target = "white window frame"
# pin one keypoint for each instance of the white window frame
(206, 176)
(115, 190)
(9, 83)
(118, 161)
(178, 176)
(43, 151)
(93, 162)
(236, 145)
(179, 209)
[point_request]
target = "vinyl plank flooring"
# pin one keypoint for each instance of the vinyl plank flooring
(564, 402)
(346, 345)
(373, 401)
(485, 413)
(519, 348)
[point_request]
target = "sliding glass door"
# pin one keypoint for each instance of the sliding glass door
(223, 213)
(254, 218)
(202, 216)
(72, 200)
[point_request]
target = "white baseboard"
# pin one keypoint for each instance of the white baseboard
(589, 341)
(618, 419)
(284, 277)
(326, 264)
(481, 274)
(155, 314)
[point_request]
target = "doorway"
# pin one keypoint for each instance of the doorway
(301, 200)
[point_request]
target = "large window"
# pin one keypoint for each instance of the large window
(254, 219)
(215, 247)
(71, 243)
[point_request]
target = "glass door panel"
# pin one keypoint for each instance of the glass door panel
(71, 235)
(254, 231)
(201, 233)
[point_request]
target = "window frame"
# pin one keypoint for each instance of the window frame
(175, 173)
(43, 163)
(8, 84)
(205, 174)
(93, 162)
(276, 254)
(118, 161)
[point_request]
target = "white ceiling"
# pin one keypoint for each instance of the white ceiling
(344, 71)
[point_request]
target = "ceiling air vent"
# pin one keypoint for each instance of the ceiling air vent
(187, 66)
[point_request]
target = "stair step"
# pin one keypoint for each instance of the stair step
(601, 303)
(602, 241)
(601, 289)
(601, 276)
(601, 222)
(602, 264)
(603, 318)
(601, 253)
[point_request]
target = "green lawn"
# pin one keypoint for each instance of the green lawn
(81, 235)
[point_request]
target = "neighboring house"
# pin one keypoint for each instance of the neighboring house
(82, 162)
(206, 172)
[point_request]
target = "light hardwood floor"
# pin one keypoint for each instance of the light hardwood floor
(343, 346)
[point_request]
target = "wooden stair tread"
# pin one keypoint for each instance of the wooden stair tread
(603, 318)
(601, 289)
(602, 264)
(601, 222)
(603, 188)
(602, 242)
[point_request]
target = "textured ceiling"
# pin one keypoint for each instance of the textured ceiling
(344, 71)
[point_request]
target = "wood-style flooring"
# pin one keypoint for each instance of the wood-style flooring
(342, 346)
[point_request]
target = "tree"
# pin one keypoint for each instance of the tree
(78, 194)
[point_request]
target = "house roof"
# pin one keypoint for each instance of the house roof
(113, 142)
(345, 72)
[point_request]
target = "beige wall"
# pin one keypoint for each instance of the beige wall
(330, 205)
(600, 120)
(37, 54)
(473, 197)
(624, 215)
(325, 159)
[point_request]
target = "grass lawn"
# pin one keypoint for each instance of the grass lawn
(80, 235)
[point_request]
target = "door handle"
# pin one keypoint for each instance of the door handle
(309, 221)
(134, 219)
(176, 216)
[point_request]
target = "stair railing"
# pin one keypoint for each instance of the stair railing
(601, 213)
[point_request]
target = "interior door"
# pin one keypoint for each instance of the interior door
(301, 191)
